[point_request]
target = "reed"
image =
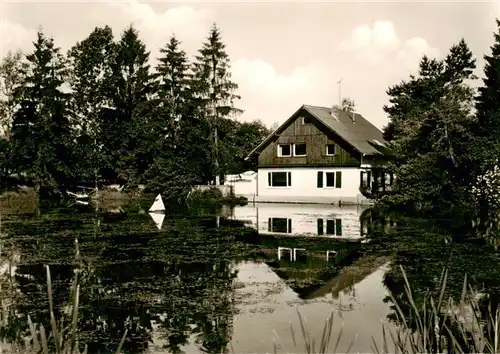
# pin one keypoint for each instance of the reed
(441, 325)
(436, 326)
(63, 335)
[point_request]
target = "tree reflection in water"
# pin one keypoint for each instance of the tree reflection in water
(170, 285)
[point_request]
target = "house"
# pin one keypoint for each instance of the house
(321, 155)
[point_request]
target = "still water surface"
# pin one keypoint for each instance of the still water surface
(198, 281)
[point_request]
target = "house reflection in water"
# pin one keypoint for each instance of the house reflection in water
(304, 220)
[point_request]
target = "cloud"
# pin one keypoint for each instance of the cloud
(373, 44)
(272, 96)
(190, 25)
(14, 37)
(260, 75)
(381, 35)
(413, 49)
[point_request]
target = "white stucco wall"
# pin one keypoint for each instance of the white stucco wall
(304, 186)
(246, 188)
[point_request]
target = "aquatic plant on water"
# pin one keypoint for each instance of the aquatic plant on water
(62, 336)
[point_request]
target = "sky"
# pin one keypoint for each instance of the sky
(283, 54)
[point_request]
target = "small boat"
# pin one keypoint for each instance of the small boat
(158, 206)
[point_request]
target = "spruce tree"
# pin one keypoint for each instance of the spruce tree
(215, 89)
(124, 124)
(176, 133)
(488, 100)
(42, 132)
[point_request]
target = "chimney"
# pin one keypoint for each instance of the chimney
(353, 117)
(332, 112)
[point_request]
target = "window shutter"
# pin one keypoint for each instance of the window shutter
(289, 179)
(269, 182)
(338, 179)
(338, 227)
(320, 179)
(289, 226)
(361, 178)
(270, 225)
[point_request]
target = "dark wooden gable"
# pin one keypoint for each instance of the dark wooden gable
(316, 136)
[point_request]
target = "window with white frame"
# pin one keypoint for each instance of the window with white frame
(329, 179)
(299, 149)
(329, 227)
(366, 178)
(284, 150)
(288, 150)
(279, 179)
(279, 225)
(331, 149)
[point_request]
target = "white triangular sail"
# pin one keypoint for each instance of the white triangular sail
(158, 219)
(157, 205)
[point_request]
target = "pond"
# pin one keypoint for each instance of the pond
(199, 281)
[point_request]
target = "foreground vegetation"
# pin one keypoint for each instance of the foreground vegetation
(436, 326)
(439, 325)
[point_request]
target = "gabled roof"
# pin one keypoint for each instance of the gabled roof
(360, 134)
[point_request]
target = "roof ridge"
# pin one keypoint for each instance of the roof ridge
(312, 105)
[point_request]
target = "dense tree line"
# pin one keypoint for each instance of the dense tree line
(102, 114)
(445, 135)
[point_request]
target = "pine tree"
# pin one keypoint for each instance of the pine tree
(42, 134)
(124, 124)
(173, 83)
(213, 86)
(176, 148)
(488, 101)
(430, 131)
(90, 81)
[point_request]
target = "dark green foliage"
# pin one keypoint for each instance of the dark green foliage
(42, 127)
(122, 122)
(132, 85)
(177, 149)
(488, 106)
(215, 92)
(431, 131)
(238, 140)
(90, 81)
(4, 162)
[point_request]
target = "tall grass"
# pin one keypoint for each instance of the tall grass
(62, 336)
(436, 326)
